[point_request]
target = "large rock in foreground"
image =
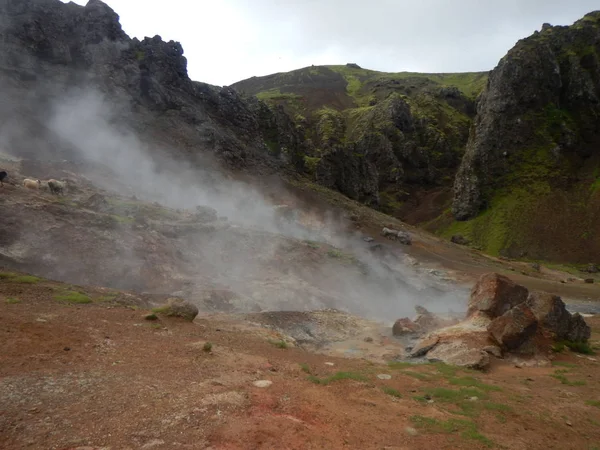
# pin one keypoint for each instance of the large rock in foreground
(494, 295)
(513, 328)
(503, 316)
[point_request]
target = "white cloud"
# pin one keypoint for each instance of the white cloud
(229, 40)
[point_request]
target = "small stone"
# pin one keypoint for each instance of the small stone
(411, 431)
(151, 316)
(529, 379)
(473, 399)
(589, 280)
(262, 383)
(427, 397)
(66, 349)
(519, 366)
(368, 339)
(569, 424)
(430, 401)
(329, 364)
(384, 376)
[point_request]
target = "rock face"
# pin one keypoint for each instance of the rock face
(535, 137)
(548, 69)
(494, 295)
(503, 316)
(375, 139)
(52, 47)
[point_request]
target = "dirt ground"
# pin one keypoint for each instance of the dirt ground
(98, 375)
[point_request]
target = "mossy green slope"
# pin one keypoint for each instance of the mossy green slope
(528, 183)
(406, 130)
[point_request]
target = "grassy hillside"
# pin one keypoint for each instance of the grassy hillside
(539, 165)
(411, 127)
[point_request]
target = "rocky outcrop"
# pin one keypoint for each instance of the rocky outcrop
(503, 317)
(541, 103)
(52, 48)
(494, 295)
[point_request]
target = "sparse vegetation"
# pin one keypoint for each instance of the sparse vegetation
(312, 244)
(595, 403)
(280, 344)
(305, 368)
(12, 301)
(338, 377)
(391, 391)
(473, 382)
(559, 375)
(151, 316)
(73, 297)
(15, 278)
(207, 347)
(466, 428)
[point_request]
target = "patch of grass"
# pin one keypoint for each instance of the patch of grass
(564, 380)
(207, 347)
(446, 369)
(23, 279)
(73, 297)
(563, 364)
(280, 344)
(580, 347)
(595, 403)
(492, 406)
(305, 368)
(558, 347)
(6, 275)
(473, 382)
(151, 317)
(391, 391)
(417, 375)
(122, 219)
(333, 253)
(12, 301)
(337, 377)
(106, 298)
(312, 244)
(466, 428)
(156, 326)
(400, 365)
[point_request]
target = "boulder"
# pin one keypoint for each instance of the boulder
(177, 307)
(551, 313)
(404, 238)
(578, 329)
(424, 346)
(459, 239)
(495, 294)
(459, 353)
(589, 280)
(514, 327)
(405, 326)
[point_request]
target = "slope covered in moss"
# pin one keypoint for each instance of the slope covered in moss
(528, 183)
(381, 138)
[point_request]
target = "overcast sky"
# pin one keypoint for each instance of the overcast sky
(230, 40)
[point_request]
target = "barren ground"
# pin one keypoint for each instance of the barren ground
(98, 375)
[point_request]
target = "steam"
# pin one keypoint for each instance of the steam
(261, 261)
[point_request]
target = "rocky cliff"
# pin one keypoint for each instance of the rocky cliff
(385, 139)
(51, 48)
(528, 182)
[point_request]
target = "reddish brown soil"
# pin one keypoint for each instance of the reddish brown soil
(100, 376)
